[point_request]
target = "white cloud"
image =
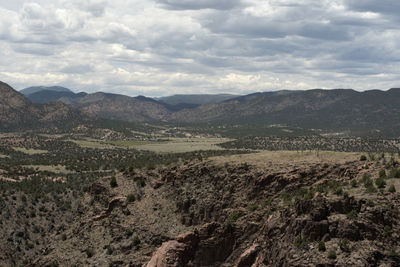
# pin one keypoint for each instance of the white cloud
(167, 46)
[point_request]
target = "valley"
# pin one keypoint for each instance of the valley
(85, 189)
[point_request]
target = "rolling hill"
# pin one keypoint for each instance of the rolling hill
(46, 96)
(338, 109)
(18, 112)
(121, 107)
(35, 89)
(195, 99)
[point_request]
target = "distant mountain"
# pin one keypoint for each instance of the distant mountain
(17, 111)
(120, 107)
(35, 89)
(327, 109)
(196, 99)
(46, 96)
(333, 110)
(106, 105)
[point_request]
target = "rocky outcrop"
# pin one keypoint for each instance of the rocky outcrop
(248, 257)
(210, 244)
(115, 202)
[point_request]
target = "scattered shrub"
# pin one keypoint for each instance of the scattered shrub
(89, 252)
(387, 231)
(113, 182)
(301, 242)
(371, 156)
(366, 180)
(339, 191)
(130, 198)
(392, 189)
(136, 241)
(321, 246)
(332, 254)
(352, 215)
(253, 208)
(110, 250)
(380, 182)
(363, 158)
(234, 217)
(371, 189)
(395, 173)
(344, 245)
(141, 183)
(354, 183)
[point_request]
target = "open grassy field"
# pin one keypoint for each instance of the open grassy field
(180, 145)
(170, 145)
(92, 143)
(55, 169)
(132, 143)
(30, 151)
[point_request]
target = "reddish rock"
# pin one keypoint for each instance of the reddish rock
(248, 257)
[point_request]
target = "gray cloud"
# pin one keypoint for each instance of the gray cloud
(77, 69)
(166, 46)
(381, 6)
(199, 4)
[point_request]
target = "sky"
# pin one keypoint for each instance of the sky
(165, 47)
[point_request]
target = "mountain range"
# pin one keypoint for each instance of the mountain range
(17, 111)
(35, 89)
(333, 110)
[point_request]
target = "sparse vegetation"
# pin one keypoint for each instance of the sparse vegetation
(392, 189)
(69, 193)
(321, 246)
(332, 254)
(380, 182)
(352, 215)
(344, 245)
(301, 243)
(395, 173)
(113, 182)
(89, 252)
(131, 198)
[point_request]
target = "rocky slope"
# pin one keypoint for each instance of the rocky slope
(120, 107)
(370, 112)
(16, 111)
(221, 213)
(342, 109)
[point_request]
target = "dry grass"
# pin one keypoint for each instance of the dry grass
(180, 145)
(30, 151)
(266, 158)
(54, 169)
(171, 145)
(92, 143)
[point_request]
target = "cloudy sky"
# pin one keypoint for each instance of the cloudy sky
(163, 47)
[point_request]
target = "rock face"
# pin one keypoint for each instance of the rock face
(209, 214)
(176, 253)
(290, 234)
(248, 257)
(209, 245)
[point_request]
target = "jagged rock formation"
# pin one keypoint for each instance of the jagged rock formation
(227, 214)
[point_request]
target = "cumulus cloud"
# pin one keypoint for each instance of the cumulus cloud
(159, 47)
(199, 4)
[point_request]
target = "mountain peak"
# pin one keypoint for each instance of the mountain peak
(35, 89)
